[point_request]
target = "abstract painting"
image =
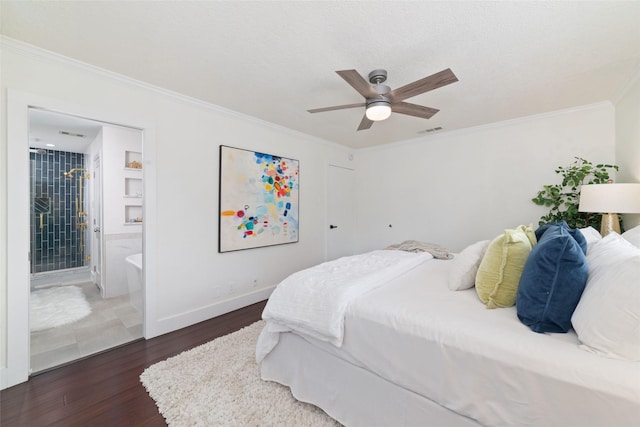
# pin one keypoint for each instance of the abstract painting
(258, 199)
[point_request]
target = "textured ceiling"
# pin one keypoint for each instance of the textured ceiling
(274, 60)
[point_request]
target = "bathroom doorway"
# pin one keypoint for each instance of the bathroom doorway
(80, 299)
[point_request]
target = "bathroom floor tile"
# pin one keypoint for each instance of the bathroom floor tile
(112, 322)
(129, 316)
(112, 334)
(57, 357)
(52, 341)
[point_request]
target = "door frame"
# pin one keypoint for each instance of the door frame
(96, 214)
(18, 272)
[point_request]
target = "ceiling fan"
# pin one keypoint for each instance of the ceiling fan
(380, 100)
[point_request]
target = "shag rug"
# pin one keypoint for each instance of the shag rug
(219, 384)
(57, 306)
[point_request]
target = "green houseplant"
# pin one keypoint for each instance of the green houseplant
(563, 199)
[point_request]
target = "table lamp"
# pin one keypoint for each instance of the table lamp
(610, 200)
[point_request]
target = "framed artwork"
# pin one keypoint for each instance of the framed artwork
(258, 200)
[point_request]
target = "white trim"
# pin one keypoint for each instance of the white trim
(18, 334)
(32, 51)
(182, 320)
(4, 381)
(17, 239)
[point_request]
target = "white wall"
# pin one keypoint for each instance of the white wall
(628, 141)
(456, 188)
(190, 281)
(117, 141)
(453, 188)
(120, 236)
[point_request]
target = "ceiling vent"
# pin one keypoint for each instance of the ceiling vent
(64, 132)
(431, 130)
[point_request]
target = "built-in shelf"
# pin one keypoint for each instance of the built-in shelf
(133, 160)
(133, 214)
(132, 187)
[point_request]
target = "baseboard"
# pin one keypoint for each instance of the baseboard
(179, 321)
(4, 381)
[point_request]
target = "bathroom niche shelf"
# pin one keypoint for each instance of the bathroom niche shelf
(132, 157)
(132, 188)
(133, 215)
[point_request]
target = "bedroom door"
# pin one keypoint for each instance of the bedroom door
(340, 212)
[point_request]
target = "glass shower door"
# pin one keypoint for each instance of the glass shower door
(58, 217)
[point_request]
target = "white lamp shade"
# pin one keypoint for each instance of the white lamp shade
(377, 111)
(610, 198)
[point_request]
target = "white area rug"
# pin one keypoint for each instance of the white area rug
(57, 306)
(219, 384)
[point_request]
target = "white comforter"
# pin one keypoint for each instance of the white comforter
(314, 301)
(448, 348)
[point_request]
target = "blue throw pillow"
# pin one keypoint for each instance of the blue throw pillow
(574, 232)
(553, 279)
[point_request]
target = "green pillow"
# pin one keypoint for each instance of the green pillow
(501, 267)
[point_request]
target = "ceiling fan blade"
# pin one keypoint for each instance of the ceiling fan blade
(413, 110)
(365, 123)
(426, 84)
(358, 83)
(337, 107)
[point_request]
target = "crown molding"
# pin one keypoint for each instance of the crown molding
(38, 53)
(495, 125)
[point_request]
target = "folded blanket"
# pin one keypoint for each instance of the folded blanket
(314, 301)
(438, 252)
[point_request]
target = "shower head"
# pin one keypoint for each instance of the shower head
(69, 173)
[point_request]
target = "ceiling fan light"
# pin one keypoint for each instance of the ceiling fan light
(378, 110)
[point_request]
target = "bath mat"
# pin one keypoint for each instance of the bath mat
(57, 306)
(219, 384)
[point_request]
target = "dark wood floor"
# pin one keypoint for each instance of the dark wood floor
(105, 390)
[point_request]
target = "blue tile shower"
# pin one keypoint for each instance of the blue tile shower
(58, 221)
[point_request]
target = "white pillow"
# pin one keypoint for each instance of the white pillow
(465, 266)
(633, 235)
(591, 235)
(610, 249)
(607, 318)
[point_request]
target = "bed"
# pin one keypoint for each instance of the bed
(402, 348)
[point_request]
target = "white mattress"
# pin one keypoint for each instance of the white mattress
(483, 364)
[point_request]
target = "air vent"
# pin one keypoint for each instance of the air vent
(64, 132)
(431, 130)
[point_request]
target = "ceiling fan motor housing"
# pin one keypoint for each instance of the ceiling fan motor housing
(382, 100)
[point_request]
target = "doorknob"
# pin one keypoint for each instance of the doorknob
(96, 229)
(333, 226)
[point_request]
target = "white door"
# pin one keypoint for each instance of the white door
(96, 210)
(340, 212)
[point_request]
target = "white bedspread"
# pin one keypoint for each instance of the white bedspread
(482, 364)
(314, 301)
